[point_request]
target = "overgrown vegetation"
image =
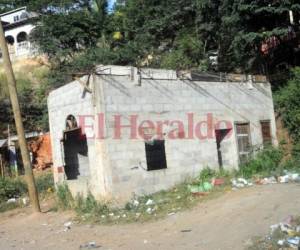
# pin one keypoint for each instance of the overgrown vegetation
(266, 163)
(182, 34)
(288, 106)
(287, 101)
(176, 34)
(32, 88)
(144, 208)
(11, 188)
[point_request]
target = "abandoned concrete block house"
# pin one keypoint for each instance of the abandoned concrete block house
(124, 131)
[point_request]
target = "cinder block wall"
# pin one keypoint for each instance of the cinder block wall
(118, 166)
(167, 98)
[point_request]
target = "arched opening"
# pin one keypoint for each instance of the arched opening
(10, 40)
(75, 150)
(22, 37)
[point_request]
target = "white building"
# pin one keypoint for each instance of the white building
(17, 28)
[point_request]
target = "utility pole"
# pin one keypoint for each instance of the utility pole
(33, 195)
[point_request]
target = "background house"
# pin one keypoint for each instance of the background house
(17, 28)
(10, 156)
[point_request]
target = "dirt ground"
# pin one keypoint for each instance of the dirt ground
(227, 222)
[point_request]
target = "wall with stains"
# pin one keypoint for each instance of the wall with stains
(123, 96)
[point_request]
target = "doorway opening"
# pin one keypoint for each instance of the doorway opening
(75, 149)
(221, 136)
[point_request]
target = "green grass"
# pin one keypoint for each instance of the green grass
(17, 188)
(265, 163)
(165, 203)
(174, 200)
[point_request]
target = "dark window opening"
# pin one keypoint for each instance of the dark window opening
(156, 155)
(243, 140)
(76, 154)
(16, 18)
(266, 133)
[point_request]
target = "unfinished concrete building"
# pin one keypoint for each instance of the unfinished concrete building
(124, 131)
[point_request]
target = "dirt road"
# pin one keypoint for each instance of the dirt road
(227, 222)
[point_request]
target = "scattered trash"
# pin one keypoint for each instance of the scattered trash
(89, 245)
(12, 200)
(149, 202)
(289, 177)
(242, 180)
(150, 210)
(274, 227)
(67, 226)
(170, 214)
(280, 242)
(186, 231)
(286, 233)
(136, 203)
(240, 183)
(25, 201)
(200, 189)
(283, 179)
(294, 241)
(217, 182)
(268, 180)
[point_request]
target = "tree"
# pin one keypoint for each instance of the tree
(66, 29)
(253, 23)
(287, 102)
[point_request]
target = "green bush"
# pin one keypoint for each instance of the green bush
(287, 103)
(264, 162)
(16, 188)
(11, 188)
(207, 174)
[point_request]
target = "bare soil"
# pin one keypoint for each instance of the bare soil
(228, 222)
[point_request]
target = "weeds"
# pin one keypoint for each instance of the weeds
(168, 202)
(11, 188)
(264, 163)
(64, 197)
(143, 208)
(17, 188)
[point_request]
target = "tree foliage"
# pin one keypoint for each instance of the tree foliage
(182, 34)
(287, 102)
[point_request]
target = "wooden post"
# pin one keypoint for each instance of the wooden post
(11, 81)
(1, 164)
